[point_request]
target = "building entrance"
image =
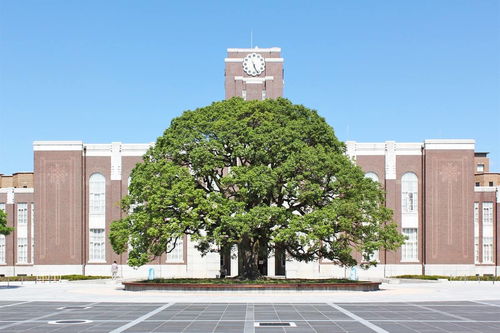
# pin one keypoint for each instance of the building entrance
(279, 260)
(225, 262)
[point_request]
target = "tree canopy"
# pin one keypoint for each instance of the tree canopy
(4, 230)
(253, 174)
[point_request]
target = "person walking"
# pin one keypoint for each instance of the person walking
(114, 270)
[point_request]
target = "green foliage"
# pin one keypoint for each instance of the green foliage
(4, 229)
(72, 277)
(253, 174)
(258, 281)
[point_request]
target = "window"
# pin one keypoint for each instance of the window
(22, 250)
(476, 232)
(22, 231)
(476, 249)
(263, 94)
(244, 94)
(22, 214)
(97, 217)
(2, 206)
(97, 246)
(177, 254)
(490, 183)
(372, 175)
(32, 233)
(97, 194)
(373, 257)
(487, 250)
(409, 193)
(480, 168)
(2, 249)
(409, 250)
(487, 213)
(478, 184)
(487, 232)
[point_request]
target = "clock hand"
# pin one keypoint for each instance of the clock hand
(253, 63)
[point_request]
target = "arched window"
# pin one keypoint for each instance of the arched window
(97, 194)
(375, 255)
(409, 193)
(372, 175)
(97, 218)
(409, 218)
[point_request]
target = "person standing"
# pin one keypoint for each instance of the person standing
(114, 270)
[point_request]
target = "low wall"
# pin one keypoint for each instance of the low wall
(359, 286)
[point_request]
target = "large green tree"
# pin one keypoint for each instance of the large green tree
(4, 229)
(255, 174)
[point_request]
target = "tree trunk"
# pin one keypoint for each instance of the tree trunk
(249, 252)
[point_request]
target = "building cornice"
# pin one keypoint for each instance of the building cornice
(449, 144)
(265, 59)
(57, 145)
(256, 49)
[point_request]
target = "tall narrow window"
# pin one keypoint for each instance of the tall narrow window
(409, 250)
(97, 245)
(409, 193)
(177, 254)
(97, 194)
(373, 176)
(97, 217)
(488, 232)
(22, 214)
(2, 249)
(22, 250)
(487, 250)
(22, 233)
(487, 213)
(32, 233)
(2, 240)
(476, 232)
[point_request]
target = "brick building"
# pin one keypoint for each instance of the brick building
(439, 190)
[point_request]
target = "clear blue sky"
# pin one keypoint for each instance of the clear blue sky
(103, 71)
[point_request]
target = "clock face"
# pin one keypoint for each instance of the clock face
(254, 64)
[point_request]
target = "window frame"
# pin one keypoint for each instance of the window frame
(410, 246)
(409, 193)
(182, 256)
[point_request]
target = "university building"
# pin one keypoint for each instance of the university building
(444, 198)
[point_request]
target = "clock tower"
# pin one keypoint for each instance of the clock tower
(255, 73)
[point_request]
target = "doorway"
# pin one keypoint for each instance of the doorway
(279, 260)
(225, 262)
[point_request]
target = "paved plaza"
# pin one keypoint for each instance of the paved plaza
(246, 317)
(105, 307)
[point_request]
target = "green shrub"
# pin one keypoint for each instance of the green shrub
(72, 277)
(237, 281)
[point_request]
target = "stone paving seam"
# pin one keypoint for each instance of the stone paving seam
(484, 303)
(220, 318)
(314, 329)
(441, 312)
(141, 319)
(33, 319)
(12, 304)
(358, 319)
(249, 319)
